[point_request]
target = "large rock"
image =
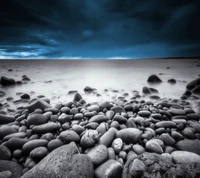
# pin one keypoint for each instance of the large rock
(13, 167)
(154, 79)
(185, 157)
(38, 104)
(36, 119)
(4, 119)
(98, 154)
(109, 169)
(129, 135)
(7, 81)
(64, 162)
(189, 145)
(193, 84)
(6, 130)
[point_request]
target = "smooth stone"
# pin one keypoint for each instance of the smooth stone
(146, 90)
(5, 153)
(48, 136)
(188, 133)
(36, 119)
(165, 124)
(117, 145)
(93, 108)
(11, 166)
(111, 153)
(180, 157)
(157, 116)
(38, 153)
(102, 128)
(154, 147)
(176, 112)
(179, 121)
(129, 135)
(32, 144)
(7, 81)
(154, 79)
(159, 131)
(144, 113)
(138, 149)
(189, 145)
(98, 119)
(6, 130)
(46, 128)
(69, 136)
(115, 124)
(109, 169)
(167, 139)
(107, 138)
(193, 116)
(77, 97)
(5, 119)
(92, 125)
(120, 119)
(63, 118)
(78, 129)
(169, 149)
(131, 123)
(194, 125)
(105, 104)
(89, 139)
(53, 144)
(78, 116)
(6, 174)
(88, 89)
(98, 154)
(176, 135)
(73, 111)
(15, 143)
(65, 161)
(110, 114)
(171, 81)
(193, 84)
(15, 135)
(118, 109)
(65, 110)
(196, 90)
(38, 104)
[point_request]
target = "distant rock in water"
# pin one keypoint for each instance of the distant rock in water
(196, 90)
(77, 97)
(2, 93)
(154, 79)
(193, 84)
(72, 92)
(7, 81)
(172, 81)
(88, 89)
(25, 78)
(146, 90)
(25, 96)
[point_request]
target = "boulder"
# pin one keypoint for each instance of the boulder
(7, 81)
(193, 84)
(63, 162)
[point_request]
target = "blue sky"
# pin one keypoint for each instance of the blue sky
(59, 29)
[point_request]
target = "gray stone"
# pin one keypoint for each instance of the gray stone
(4, 119)
(38, 104)
(69, 136)
(166, 124)
(98, 118)
(5, 153)
(46, 128)
(185, 157)
(36, 119)
(153, 146)
(107, 138)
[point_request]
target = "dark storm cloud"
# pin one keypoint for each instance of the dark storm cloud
(99, 29)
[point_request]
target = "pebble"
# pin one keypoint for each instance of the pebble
(78, 116)
(7, 81)
(6, 130)
(138, 149)
(63, 118)
(144, 113)
(154, 147)
(89, 139)
(38, 104)
(15, 143)
(77, 97)
(98, 154)
(4, 119)
(118, 109)
(15, 135)
(176, 112)
(129, 135)
(111, 168)
(6, 174)
(38, 153)
(5, 153)
(36, 119)
(69, 136)
(193, 116)
(53, 144)
(107, 138)
(25, 96)
(46, 128)
(117, 145)
(154, 79)
(120, 119)
(167, 139)
(98, 118)
(188, 133)
(172, 81)
(165, 124)
(180, 157)
(111, 153)
(78, 129)
(146, 90)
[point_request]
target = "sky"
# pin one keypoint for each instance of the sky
(106, 29)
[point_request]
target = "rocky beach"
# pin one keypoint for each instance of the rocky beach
(100, 119)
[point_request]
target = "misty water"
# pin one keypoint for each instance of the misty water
(123, 75)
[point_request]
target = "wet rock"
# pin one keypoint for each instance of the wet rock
(188, 133)
(69, 136)
(15, 135)
(176, 135)
(25, 96)
(193, 84)
(165, 124)
(153, 146)
(36, 119)
(4, 119)
(129, 135)
(6, 174)
(5, 153)
(185, 157)
(117, 145)
(98, 154)
(15, 143)
(120, 119)
(105, 104)
(144, 113)
(110, 114)
(25, 78)
(38, 153)
(53, 144)
(118, 109)
(98, 118)
(2, 93)
(153, 90)
(172, 81)
(167, 139)
(93, 108)
(38, 104)
(32, 144)
(196, 90)
(14, 168)
(107, 138)
(138, 149)
(78, 116)
(65, 161)
(7, 81)
(146, 90)
(154, 79)
(88, 89)
(193, 116)
(111, 169)
(189, 145)
(176, 112)
(46, 128)
(78, 129)
(6, 130)
(77, 97)
(89, 139)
